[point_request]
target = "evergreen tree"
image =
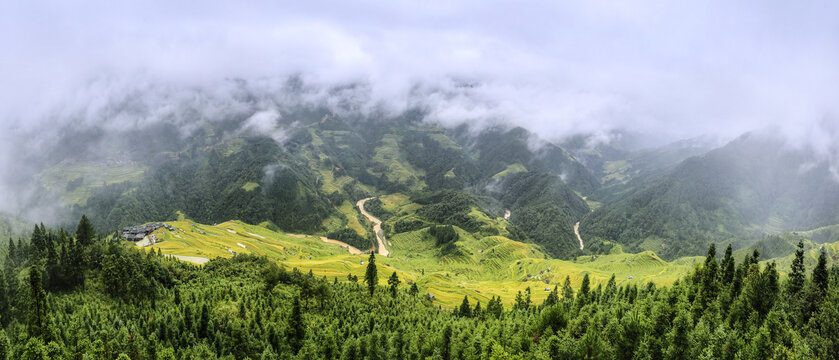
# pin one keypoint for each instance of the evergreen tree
(494, 307)
(585, 291)
(797, 275)
(414, 289)
(584, 286)
(709, 278)
(679, 347)
(552, 298)
(37, 243)
(394, 283)
(371, 276)
(567, 290)
(446, 343)
(820, 276)
(38, 312)
(297, 329)
(611, 289)
(727, 266)
(465, 310)
(85, 232)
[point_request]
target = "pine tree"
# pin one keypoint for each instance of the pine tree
(678, 338)
(371, 276)
(394, 283)
(297, 329)
(709, 277)
(494, 307)
(527, 299)
(820, 276)
(727, 266)
(585, 291)
(38, 312)
(85, 232)
(446, 343)
(567, 290)
(37, 244)
(611, 289)
(797, 275)
(414, 289)
(465, 310)
(552, 299)
(203, 321)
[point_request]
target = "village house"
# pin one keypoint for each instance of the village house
(137, 233)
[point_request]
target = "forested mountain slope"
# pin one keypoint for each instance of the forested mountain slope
(751, 186)
(305, 173)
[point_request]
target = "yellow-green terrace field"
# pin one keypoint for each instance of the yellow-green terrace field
(484, 267)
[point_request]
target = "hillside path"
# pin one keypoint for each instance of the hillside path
(577, 232)
(377, 227)
(352, 249)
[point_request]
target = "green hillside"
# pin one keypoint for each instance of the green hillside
(482, 267)
(737, 193)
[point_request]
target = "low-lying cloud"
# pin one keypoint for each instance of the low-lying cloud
(671, 70)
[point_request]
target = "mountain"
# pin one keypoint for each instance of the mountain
(305, 172)
(753, 185)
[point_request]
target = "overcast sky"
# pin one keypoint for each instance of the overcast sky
(674, 68)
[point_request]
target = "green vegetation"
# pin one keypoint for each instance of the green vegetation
(736, 193)
(545, 210)
(462, 264)
(77, 181)
(511, 169)
(211, 186)
(127, 304)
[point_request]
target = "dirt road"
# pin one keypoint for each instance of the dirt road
(377, 227)
(352, 249)
(577, 232)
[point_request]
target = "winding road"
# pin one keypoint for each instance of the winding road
(377, 227)
(577, 232)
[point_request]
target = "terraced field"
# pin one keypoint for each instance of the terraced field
(75, 182)
(484, 267)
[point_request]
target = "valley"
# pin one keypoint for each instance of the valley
(381, 249)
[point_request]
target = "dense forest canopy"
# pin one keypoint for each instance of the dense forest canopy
(81, 295)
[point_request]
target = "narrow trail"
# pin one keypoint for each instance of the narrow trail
(377, 227)
(577, 232)
(352, 249)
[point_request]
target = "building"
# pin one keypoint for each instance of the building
(137, 233)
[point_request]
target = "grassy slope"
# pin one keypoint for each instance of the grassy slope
(415, 258)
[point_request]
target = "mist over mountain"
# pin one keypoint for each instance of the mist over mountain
(419, 180)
